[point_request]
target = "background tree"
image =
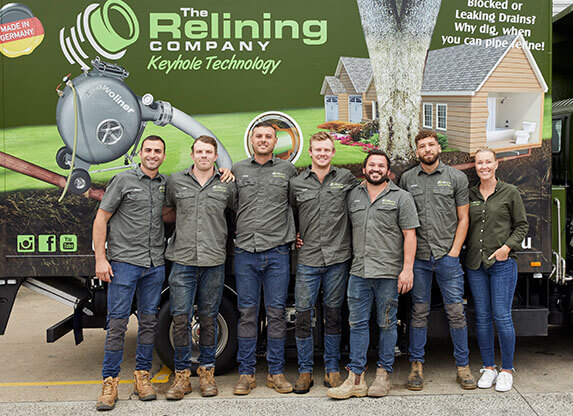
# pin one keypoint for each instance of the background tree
(398, 34)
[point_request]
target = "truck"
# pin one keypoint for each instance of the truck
(228, 64)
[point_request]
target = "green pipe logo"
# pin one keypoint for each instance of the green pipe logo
(95, 26)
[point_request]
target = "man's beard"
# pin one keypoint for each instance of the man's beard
(431, 161)
(383, 178)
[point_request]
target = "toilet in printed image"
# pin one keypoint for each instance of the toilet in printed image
(522, 136)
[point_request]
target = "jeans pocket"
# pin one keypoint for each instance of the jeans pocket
(282, 249)
(239, 250)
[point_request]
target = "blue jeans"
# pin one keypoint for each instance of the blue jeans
(450, 278)
(334, 279)
(185, 282)
(492, 292)
(269, 269)
(361, 294)
(129, 281)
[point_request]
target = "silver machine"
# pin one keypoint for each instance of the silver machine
(100, 119)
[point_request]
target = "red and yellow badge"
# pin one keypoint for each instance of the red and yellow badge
(20, 31)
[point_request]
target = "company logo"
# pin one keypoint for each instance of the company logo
(25, 243)
(289, 135)
(20, 31)
(97, 25)
(116, 98)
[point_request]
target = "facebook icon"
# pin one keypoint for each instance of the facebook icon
(46, 243)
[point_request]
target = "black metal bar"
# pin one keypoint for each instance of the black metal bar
(7, 296)
(55, 332)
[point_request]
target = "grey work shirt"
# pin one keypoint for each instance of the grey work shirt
(200, 237)
(437, 196)
(377, 230)
(136, 234)
(322, 216)
(264, 215)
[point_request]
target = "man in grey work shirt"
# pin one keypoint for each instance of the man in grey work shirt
(132, 206)
(384, 244)
(441, 195)
(265, 227)
(319, 197)
(198, 251)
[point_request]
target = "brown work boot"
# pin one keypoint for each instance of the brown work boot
(279, 383)
(466, 378)
(245, 384)
(181, 385)
(142, 386)
(416, 376)
(108, 397)
(381, 385)
(207, 381)
(332, 379)
(303, 384)
(354, 385)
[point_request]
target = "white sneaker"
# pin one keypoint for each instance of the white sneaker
(488, 378)
(504, 381)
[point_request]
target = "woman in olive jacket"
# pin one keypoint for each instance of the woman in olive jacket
(498, 225)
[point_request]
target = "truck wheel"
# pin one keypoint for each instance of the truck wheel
(226, 338)
(80, 181)
(63, 158)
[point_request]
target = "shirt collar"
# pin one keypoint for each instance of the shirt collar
(439, 168)
(272, 161)
(333, 170)
(390, 187)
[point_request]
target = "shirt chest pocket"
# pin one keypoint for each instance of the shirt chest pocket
(444, 197)
(387, 214)
(443, 192)
(336, 199)
(304, 197)
(418, 195)
(357, 211)
(278, 188)
(137, 201)
(185, 200)
(216, 201)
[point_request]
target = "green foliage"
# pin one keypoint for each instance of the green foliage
(443, 140)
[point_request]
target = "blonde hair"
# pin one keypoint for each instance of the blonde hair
(486, 149)
(320, 137)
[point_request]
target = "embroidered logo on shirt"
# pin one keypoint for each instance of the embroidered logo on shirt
(336, 185)
(162, 188)
(389, 202)
(475, 203)
(279, 175)
(444, 183)
(219, 188)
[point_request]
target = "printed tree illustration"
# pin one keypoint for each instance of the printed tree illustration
(398, 34)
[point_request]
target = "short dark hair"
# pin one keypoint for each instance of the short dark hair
(376, 152)
(205, 139)
(153, 138)
(265, 124)
(422, 134)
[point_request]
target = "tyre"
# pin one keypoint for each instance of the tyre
(226, 337)
(80, 181)
(63, 158)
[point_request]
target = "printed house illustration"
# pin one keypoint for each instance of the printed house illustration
(477, 95)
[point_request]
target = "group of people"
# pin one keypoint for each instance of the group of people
(364, 241)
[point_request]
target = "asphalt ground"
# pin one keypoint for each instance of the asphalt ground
(63, 379)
